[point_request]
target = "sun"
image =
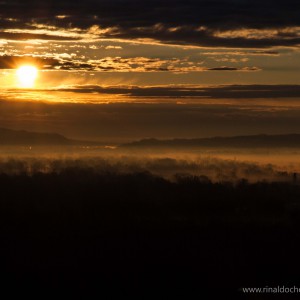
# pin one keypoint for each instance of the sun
(27, 76)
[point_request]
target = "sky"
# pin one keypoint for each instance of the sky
(126, 69)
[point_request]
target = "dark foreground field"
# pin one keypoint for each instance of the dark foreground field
(81, 234)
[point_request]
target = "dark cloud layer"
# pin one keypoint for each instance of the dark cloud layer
(22, 36)
(129, 13)
(189, 22)
(208, 37)
(226, 91)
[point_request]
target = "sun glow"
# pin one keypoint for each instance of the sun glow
(27, 76)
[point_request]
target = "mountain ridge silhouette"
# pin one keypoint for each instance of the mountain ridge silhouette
(244, 141)
(24, 137)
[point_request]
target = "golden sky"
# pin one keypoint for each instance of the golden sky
(129, 69)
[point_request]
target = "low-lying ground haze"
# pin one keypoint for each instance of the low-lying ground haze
(217, 165)
(87, 218)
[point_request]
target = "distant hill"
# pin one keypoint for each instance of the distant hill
(22, 137)
(250, 141)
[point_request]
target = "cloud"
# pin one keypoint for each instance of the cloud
(218, 92)
(113, 47)
(23, 36)
(245, 69)
(243, 53)
(209, 37)
(214, 23)
(144, 64)
(65, 61)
